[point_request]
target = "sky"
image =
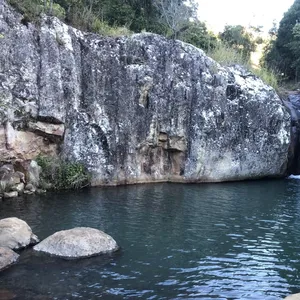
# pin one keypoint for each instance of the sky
(218, 13)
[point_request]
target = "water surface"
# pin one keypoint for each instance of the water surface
(210, 241)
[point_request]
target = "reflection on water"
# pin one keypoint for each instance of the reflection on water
(212, 241)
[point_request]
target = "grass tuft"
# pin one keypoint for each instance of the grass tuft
(227, 56)
(57, 174)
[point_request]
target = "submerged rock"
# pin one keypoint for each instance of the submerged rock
(7, 295)
(16, 234)
(77, 243)
(7, 257)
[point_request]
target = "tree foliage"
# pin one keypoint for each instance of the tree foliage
(283, 53)
(58, 174)
(239, 39)
(176, 14)
(167, 17)
(198, 35)
(172, 18)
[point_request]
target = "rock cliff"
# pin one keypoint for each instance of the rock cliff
(292, 102)
(134, 109)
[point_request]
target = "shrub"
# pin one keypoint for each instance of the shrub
(57, 11)
(31, 9)
(267, 76)
(58, 174)
(104, 29)
(198, 35)
(227, 56)
(239, 39)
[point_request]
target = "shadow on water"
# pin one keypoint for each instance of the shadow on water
(209, 241)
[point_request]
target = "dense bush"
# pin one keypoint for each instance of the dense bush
(172, 18)
(283, 53)
(238, 38)
(269, 76)
(227, 56)
(57, 174)
(198, 35)
(108, 17)
(31, 9)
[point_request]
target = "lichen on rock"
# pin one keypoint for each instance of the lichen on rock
(135, 109)
(16, 234)
(78, 242)
(7, 257)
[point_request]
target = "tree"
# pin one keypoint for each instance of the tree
(238, 38)
(283, 53)
(158, 16)
(273, 30)
(137, 15)
(176, 14)
(198, 35)
(294, 46)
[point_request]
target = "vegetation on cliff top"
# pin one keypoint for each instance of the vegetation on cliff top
(283, 50)
(176, 19)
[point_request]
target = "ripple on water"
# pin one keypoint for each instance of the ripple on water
(222, 241)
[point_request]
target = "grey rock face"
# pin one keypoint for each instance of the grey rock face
(137, 109)
(7, 257)
(293, 105)
(16, 234)
(77, 243)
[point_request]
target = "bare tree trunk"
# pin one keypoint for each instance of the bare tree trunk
(176, 14)
(51, 6)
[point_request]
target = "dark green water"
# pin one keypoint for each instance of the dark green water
(212, 241)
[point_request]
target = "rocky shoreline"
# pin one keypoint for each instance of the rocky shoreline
(81, 242)
(21, 177)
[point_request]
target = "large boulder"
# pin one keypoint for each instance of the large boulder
(16, 234)
(140, 108)
(77, 243)
(7, 257)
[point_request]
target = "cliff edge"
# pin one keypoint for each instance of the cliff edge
(141, 108)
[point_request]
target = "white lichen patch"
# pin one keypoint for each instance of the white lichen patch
(283, 136)
(103, 119)
(60, 32)
(207, 115)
